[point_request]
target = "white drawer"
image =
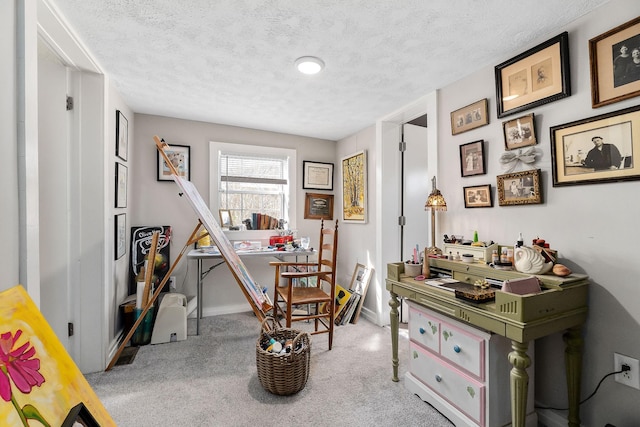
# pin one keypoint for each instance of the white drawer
(463, 349)
(460, 390)
(424, 329)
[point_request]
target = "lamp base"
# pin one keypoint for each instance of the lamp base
(434, 250)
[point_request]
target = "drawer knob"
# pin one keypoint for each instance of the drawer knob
(456, 348)
(422, 331)
(438, 378)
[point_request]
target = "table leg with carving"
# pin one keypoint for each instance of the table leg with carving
(573, 365)
(520, 361)
(395, 328)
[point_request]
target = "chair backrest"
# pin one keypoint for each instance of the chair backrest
(328, 252)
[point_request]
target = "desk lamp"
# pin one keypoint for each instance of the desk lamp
(435, 202)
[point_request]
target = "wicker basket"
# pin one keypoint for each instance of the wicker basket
(283, 374)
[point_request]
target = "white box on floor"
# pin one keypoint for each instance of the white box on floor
(171, 321)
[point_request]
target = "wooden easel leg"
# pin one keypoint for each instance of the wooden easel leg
(193, 238)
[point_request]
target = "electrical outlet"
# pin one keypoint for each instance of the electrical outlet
(172, 284)
(630, 377)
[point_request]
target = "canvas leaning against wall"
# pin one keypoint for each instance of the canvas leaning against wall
(39, 382)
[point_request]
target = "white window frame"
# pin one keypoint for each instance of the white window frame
(215, 148)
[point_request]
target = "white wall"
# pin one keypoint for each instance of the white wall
(592, 226)
(9, 226)
(157, 203)
(357, 241)
(116, 270)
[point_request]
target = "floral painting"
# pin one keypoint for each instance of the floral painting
(39, 382)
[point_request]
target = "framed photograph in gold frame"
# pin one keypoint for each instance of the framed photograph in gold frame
(536, 77)
(519, 188)
(318, 206)
(354, 188)
(615, 71)
(225, 218)
(597, 149)
(470, 117)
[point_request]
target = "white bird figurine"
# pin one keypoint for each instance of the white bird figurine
(529, 261)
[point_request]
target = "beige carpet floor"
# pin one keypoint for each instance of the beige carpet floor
(211, 380)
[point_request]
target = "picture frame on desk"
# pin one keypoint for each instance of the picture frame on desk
(614, 75)
(519, 188)
(225, 218)
(577, 147)
(535, 77)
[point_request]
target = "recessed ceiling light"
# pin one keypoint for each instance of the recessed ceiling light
(309, 65)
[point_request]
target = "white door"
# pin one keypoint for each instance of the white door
(416, 188)
(53, 158)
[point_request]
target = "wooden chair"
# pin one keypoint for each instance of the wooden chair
(318, 297)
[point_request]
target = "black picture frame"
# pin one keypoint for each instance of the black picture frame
(538, 76)
(317, 175)
(472, 159)
(478, 196)
(572, 142)
(120, 234)
(519, 132)
(121, 186)
(122, 135)
(80, 415)
(182, 156)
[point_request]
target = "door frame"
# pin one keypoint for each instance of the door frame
(87, 240)
(388, 134)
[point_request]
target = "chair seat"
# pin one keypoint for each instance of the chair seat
(304, 295)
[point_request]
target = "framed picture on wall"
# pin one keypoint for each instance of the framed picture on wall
(520, 132)
(318, 206)
(470, 117)
(519, 188)
(121, 186)
(478, 196)
(597, 149)
(120, 228)
(536, 77)
(354, 188)
(472, 159)
(180, 158)
(615, 67)
(317, 175)
(122, 135)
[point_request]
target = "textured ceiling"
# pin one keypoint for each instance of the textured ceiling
(231, 61)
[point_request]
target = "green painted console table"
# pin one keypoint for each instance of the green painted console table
(560, 306)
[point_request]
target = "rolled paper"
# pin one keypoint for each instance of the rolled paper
(139, 294)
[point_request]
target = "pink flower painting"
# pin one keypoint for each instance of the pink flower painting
(18, 365)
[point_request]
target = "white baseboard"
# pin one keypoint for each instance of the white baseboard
(550, 418)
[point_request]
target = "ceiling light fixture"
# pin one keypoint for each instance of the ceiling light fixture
(309, 65)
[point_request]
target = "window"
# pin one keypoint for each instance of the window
(252, 179)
